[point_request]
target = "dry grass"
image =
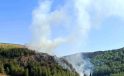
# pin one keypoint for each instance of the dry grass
(5, 45)
(3, 75)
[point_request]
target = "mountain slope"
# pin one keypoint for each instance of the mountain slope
(108, 63)
(17, 60)
(105, 63)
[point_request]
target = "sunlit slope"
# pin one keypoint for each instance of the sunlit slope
(9, 46)
(17, 60)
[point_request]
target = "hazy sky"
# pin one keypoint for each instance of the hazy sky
(107, 32)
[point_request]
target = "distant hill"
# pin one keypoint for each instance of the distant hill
(108, 63)
(17, 60)
(105, 63)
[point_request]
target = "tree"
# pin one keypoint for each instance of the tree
(26, 72)
(1, 68)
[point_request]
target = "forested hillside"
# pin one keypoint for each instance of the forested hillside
(17, 60)
(108, 63)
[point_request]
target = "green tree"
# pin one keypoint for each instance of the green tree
(26, 72)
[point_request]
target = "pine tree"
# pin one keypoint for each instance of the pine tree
(27, 72)
(1, 68)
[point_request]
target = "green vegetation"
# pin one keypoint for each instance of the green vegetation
(16, 60)
(108, 63)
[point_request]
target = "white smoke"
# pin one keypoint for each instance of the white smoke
(74, 18)
(41, 26)
(71, 17)
(81, 64)
(69, 22)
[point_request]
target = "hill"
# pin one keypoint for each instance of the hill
(108, 63)
(17, 60)
(103, 63)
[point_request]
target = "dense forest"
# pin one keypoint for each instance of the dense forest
(17, 60)
(108, 63)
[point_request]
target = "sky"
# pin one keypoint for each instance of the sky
(15, 20)
(106, 32)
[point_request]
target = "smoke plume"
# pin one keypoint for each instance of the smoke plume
(81, 64)
(70, 20)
